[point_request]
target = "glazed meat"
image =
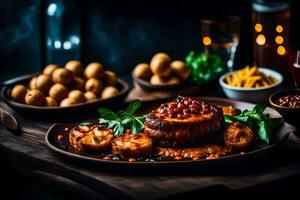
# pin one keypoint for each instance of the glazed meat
(238, 136)
(91, 138)
(132, 145)
(183, 122)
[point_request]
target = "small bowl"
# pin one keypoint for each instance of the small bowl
(147, 86)
(255, 95)
(290, 115)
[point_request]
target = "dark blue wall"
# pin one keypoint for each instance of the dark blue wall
(120, 33)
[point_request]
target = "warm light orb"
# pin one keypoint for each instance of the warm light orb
(206, 40)
(261, 39)
(281, 50)
(258, 27)
(279, 40)
(279, 28)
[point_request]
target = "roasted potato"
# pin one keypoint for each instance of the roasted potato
(180, 69)
(43, 83)
(160, 65)
(77, 84)
(91, 138)
(109, 91)
(75, 67)
(18, 93)
(99, 140)
(51, 102)
(157, 80)
(90, 96)
(35, 98)
(132, 145)
(142, 71)
(67, 102)
(94, 70)
(32, 83)
(62, 76)
(110, 78)
(94, 85)
(173, 80)
(58, 92)
(49, 69)
(238, 136)
(77, 95)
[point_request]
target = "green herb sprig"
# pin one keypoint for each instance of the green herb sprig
(123, 119)
(204, 68)
(259, 122)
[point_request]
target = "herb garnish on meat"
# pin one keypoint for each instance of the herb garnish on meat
(123, 119)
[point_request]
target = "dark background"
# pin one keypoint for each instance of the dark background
(121, 34)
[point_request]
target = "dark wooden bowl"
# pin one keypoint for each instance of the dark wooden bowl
(290, 115)
(147, 86)
(58, 111)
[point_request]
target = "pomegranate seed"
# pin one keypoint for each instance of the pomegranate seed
(172, 106)
(186, 110)
(60, 138)
(186, 102)
(179, 115)
(186, 115)
(180, 106)
(194, 110)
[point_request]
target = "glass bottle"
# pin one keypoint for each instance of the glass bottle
(271, 26)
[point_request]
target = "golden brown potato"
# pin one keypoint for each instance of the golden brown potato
(62, 76)
(160, 65)
(180, 69)
(32, 83)
(173, 80)
(77, 95)
(43, 83)
(77, 84)
(157, 80)
(35, 98)
(142, 71)
(67, 102)
(94, 85)
(238, 136)
(49, 69)
(94, 70)
(109, 91)
(51, 102)
(90, 96)
(75, 67)
(91, 138)
(58, 92)
(110, 78)
(132, 145)
(18, 93)
(99, 140)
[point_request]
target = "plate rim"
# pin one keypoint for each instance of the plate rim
(229, 157)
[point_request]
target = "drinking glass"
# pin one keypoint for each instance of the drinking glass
(220, 36)
(296, 70)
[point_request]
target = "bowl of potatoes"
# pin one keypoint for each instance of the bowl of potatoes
(161, 73)
(65, 89)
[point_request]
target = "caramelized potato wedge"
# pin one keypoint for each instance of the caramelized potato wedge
(87, 138)
(132, 145)
(238, 136)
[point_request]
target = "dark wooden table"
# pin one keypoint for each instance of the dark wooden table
(28, 156)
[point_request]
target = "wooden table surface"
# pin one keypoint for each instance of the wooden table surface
(28, 152)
